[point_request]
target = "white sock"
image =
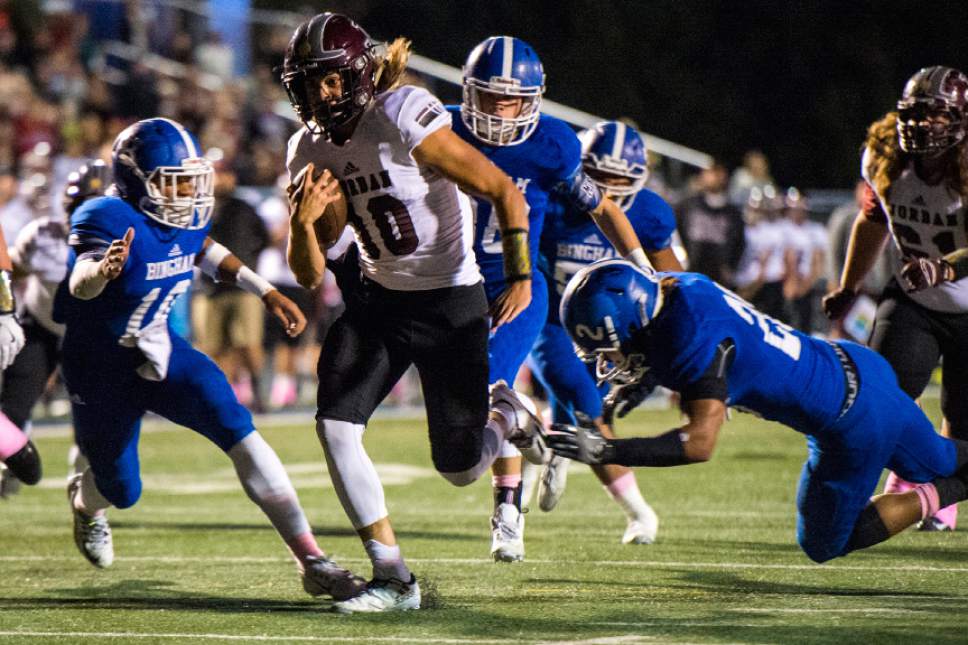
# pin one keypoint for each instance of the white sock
(387, 561)
(625, 491)
(266, 483)
(89, 500)
(354, 476)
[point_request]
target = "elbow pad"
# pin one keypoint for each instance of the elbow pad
(581, 192)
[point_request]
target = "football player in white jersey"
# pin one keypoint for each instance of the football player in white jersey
(916, 167)
(390, 153)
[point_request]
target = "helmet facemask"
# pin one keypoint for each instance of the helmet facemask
(928, 126)
(168, 202)
(496, 130)
(601, 169)
(320, 115)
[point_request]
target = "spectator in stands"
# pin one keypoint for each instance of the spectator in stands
(806, 258)
(754, 173)
(711, 228)
(762, 269)
(228, 322)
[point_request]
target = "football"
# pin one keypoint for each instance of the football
(331, 223)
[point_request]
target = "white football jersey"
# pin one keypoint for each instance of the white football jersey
(41, 251)
(763, 240)
(413, 227)
(926, 221)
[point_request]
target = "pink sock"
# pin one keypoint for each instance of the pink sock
(948, 515)
(11, 438)
(304, 546)
(928, 496)
(506, 481)
(620, 485)
(895, 484)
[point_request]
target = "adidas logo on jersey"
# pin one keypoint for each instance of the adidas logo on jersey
(592, 239)
(350, 169)
(175, 250)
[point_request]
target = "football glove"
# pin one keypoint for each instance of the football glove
(623, 399)
(837, 303)
(581, 444)
(924, 273)
(11, 340)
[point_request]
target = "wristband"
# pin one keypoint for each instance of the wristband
(639, 259)
(7, 304)
(212, 258)
(252, 282)
(517, 258)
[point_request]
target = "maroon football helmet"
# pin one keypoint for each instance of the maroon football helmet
(933, 110)
(327, 43)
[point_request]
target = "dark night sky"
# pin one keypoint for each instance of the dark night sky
(800, 80)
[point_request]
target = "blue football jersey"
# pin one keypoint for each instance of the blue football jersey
(159, 268)
(571, 240)
(545, 162)
(777, 372)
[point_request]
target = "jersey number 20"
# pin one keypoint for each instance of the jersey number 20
(775, 333)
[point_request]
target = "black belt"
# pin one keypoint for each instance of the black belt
(851, 379)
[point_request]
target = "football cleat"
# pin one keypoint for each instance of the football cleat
(527, 431)
(643, 529)
(554, 477)
(507, 534)
(382, 595)
(92, 534)
(933, 524)
(321, 576)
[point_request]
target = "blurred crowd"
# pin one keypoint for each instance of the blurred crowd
(68, 85)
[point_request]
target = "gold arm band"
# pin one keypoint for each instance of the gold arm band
(7, 304)
(517, 259)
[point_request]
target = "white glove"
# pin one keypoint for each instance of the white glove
(11, 340)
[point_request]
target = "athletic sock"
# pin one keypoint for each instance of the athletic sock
(387, 561)
(89, 500)
(625, 491)
(508, 494)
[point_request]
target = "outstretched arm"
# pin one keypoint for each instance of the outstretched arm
(221, 265)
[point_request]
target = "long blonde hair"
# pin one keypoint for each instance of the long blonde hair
(393, 64)
(886, 160)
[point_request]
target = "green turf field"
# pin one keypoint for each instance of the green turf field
(196, 560)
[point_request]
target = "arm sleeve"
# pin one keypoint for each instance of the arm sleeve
(417, 113)
(712, 383)
(654, 221)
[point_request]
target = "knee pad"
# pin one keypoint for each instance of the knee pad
(354, 476)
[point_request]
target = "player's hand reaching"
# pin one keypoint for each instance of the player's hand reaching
(117, 254)
(624, 398)
(581, 444)
(309, 195)
(510, 303)
(837, 303)
(924, 273)
(290, 316)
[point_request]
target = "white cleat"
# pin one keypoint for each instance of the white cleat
(382, 595)
(527, 431)
(92, 534)
(321, 576)
(554, 477)
(507, 534)
(642, 530)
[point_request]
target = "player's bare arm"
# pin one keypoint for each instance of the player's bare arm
(222, 265)
(474, 173)
(616, 227)
(867, 239)
(315, 201)
(663, 259)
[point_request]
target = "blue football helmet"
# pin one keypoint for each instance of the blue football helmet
(603, 306)
(159, 169)
(506, 67)
(614, 150)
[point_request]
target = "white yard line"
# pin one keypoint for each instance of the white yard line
(489, 562)
(256, 637)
